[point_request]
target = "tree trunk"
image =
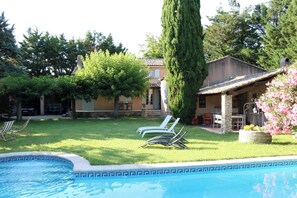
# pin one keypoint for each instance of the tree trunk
(73, 109)
(19, 110)
(116, 107)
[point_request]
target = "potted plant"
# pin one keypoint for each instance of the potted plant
(254, 134)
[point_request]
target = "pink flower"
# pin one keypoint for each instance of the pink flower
(279, 102)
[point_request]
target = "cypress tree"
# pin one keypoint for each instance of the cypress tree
(183, 55)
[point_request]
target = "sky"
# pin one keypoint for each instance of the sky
(128, 21)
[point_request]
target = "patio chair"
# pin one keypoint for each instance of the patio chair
(217, 120)
(21, 129)
(162, 125)
(207, 118)
(177, 140)
(169, 130)
(5, 131)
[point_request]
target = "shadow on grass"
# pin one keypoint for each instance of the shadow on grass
(189, 148)
(194, 132)
(283, 143)
(107, 155)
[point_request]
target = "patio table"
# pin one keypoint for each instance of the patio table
(237, 120)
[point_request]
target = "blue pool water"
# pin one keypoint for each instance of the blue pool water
(45, 178)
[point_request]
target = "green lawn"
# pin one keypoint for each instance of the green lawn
(115, 141)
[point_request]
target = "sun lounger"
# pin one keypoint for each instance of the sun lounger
(162, 126)
(170, 130)
(6, 129)
(21, 129)
(177, 140)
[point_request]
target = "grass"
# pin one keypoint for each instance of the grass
(115, 141)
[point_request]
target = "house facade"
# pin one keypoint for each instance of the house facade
(148, 105)
(226, 70)
(230, 92)
(231, 88)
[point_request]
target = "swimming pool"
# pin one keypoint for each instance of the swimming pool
(51, 175)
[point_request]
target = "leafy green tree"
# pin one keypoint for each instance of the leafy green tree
(9, 58)
(9, 53)
(115, 75)
(288, 24)
(55, 55)
(276, 9)
(72, 88)
(23, 88)
(278, 33)
(97, 41)
(108, 44)
(33, 53)
(259, 18)
(153, 47)
(46, 54)
(235, 33)
(73, 49)
(59, 59)
(184, 56)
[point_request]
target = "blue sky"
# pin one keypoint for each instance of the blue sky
(127, 20)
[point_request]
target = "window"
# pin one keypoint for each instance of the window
(202, 101)
(157, 73)
(88, 105)
(154, 73)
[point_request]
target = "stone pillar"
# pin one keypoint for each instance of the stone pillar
(42, 105)
(226, 113)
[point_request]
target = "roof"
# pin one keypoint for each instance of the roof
(237, 82)
(153, 61)
(159, 61)
(236, 59)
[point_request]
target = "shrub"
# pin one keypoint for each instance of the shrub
(279, 102)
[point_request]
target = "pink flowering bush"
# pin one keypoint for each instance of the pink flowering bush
(279, 102)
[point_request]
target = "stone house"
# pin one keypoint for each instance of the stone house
(230, 89)
(148, 105)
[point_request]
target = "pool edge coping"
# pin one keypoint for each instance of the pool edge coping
(80, 164)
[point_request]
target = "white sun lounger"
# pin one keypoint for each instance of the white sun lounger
(162, 126)
(21, 129)
(170, 130)
(5, 129)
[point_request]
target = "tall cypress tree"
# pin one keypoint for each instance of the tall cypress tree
(183, 55)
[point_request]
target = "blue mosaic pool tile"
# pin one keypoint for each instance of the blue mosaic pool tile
(139, 173)
(185, 170)
(155, 171)
(35, 157)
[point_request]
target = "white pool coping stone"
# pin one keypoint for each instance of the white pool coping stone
(82, 166)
